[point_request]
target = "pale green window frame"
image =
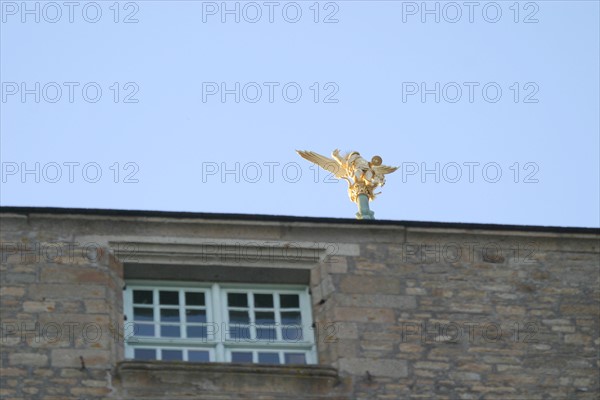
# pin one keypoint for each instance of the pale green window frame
(289, 344)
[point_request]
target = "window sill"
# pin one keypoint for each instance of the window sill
(173, 379)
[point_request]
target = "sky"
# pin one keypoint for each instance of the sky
(489, 109)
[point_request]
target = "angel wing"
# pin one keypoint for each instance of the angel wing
(328, 164)
(383, 169)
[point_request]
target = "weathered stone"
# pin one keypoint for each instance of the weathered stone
(374, 315)
(376, 368)
(376, 300)
(15, 291)
(370, 284)
(431, 365)
(38, 306)
(67, 291)
(30, 359)
(79, 275)
(416, 291)
(77, 359)
(337, 265)
(577, 339)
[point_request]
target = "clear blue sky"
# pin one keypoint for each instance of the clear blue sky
(370, 68)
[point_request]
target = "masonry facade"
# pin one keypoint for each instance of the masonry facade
(399, 310)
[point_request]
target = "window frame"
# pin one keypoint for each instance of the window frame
(216, 306)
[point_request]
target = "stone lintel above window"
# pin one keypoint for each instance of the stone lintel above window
(228, 252)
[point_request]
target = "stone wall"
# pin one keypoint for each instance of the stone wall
(417, 322)
(401, 310)
(58, 317)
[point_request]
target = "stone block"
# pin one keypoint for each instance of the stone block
(375, 367)
(370, 284)
(28, 359)
(72, 358)
(370, 315)
(376, 300)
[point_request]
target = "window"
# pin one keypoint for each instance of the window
(220, 322)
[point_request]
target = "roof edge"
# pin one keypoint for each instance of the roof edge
(288, 218)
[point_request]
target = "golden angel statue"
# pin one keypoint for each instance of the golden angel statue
(363, 177)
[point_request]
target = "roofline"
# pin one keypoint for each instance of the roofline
(287, 218)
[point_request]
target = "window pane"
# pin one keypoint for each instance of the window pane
(170, 331)
(237, 299)
(143, 314)
(263, 300)
(295, 358)
(266, 334)
(172, 355)
(265, 318)
(239, 332)
(291, 333)
(291, 318)
(195, 315)
(241, 356)
(289, 300)
(169, 315)
(169, 297)
(239, 317)
(142, 296)
(144, 354)
(196, 332)
(198, 356)
(143, 330)
(268, 358)
(194, 299)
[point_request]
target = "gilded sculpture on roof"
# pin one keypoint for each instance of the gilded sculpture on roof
(363, 176)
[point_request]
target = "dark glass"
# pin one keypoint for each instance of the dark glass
(169, 315)
(263, 300)
(292, 329)
(295, 358)
(265, 318)
(268, 358)
(237, 299)
(143, 330)
(142, 296)
(289, 300)
(239, 317)
(170, 331)
(241, 357)
(172, 355)
(198, 356)
(143, 314)
(144, 354)
(291, 318)
(197, 332)
(169, 298)
(194, 299)
(195, 315)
